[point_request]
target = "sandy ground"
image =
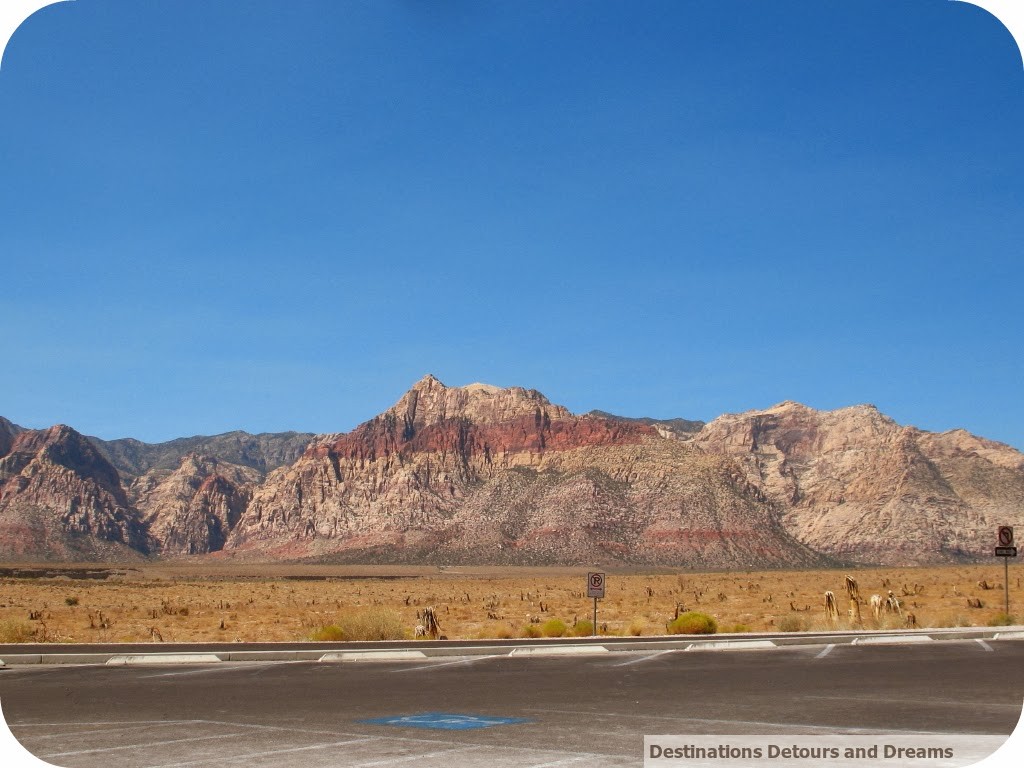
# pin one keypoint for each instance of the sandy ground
(189, 601)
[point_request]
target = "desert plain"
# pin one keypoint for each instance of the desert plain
(192, 602)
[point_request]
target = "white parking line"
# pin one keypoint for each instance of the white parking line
(566, 761)
(141, 746)
(107, 722)
(251, 755)
(245, 665)
(92, 731)
(648, 657)
(825, 651)
(472, 660)
(984, 645)
(421, 756)
(798, 727)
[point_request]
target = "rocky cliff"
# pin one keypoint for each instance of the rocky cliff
(856, 485)
(8, 431)
(192, 509)
(480, 474)
(60, 499)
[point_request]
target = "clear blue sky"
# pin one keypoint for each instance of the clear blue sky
(279, 215)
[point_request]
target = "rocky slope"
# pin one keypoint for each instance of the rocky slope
(681, 429)
(263, 452)
(479, 474)
(858, 486)
(192, 509)
(8, 431)
(60, 499)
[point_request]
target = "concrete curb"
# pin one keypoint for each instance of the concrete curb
(164, 658)
(558, 650)
(891, 640)
(419, 650)
(373, 656)
(732, 645)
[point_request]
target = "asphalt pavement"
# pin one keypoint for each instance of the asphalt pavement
(496, 710)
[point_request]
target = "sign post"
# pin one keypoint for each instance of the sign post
(595, 589)
(1006, 550)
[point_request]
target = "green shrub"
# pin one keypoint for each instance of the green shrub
(693, 623)
(369, 624)
(583, 628)
(554, 628)
(329, 633)
(16, 632)
(531, 630)
(1001, 619)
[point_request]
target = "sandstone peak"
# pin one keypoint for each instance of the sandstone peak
(430, 381)
(480, 387)
(431, 402)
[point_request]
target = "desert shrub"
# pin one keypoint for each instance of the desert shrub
(583, 628)
(369, 624)
(636, 627)
(329, 633)
(71, 601)
(737, 628)
(791, 624)
(693, 623)
(502, 633)
(554, 628)
(531, 630)
(1001, 619)
(15, 632)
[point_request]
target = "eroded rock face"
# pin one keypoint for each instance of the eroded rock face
(8, 431)
(856, 485)
(478, 474)
(191, 510)
(60, 499)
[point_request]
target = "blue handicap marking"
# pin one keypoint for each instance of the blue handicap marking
(445, 721)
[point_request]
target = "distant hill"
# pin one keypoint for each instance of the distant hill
(682, 428)
(263, 452)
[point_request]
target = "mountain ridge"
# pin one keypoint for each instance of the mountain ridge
(484, 474)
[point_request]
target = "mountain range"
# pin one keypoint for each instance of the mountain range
(484, 475)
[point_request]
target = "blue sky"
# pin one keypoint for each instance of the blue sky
(279, 215)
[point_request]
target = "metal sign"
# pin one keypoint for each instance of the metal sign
(595, 585)
(1005, 536)
(1006, 551)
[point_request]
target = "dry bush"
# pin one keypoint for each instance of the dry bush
(636, 627)
(367, 624)
(330, 633)
(1001, 619)
(791, 624)
(531, 630)
(737, 628)
(16, 632)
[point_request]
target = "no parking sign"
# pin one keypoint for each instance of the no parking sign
(595, 585)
